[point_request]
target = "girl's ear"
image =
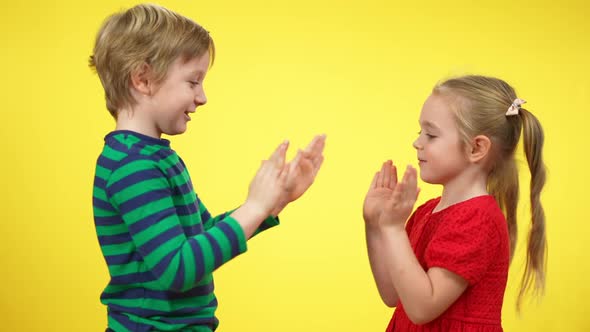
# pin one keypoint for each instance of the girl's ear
(141, 79)
(480, 148)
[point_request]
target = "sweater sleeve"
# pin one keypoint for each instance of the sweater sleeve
(141, 193)
(209, 221)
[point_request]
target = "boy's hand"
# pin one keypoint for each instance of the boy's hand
(302, 172)
(267, 186)
(388, 201)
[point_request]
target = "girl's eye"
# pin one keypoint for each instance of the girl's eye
(429, 136)
(193, 83)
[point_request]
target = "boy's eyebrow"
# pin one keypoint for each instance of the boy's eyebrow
(197, 72)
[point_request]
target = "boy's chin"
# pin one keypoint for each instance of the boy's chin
(175, 131)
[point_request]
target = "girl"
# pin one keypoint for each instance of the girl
(447, 270)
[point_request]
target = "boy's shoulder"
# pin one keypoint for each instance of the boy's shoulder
(124, 147)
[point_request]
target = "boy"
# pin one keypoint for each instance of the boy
(159, 241)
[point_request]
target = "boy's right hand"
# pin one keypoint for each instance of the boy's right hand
(264, 191)
(267, 185)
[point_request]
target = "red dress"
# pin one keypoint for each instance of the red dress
(470, 239)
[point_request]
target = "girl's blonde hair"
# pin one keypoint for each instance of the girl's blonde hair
(480, 105)
(145, 34)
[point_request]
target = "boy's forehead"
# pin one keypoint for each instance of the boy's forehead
(194, 65)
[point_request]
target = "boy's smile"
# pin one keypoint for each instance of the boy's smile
(181, 92)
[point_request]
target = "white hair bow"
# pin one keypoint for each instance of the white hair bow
(515, 107)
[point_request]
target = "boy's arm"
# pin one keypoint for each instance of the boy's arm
(142, 195)
(209, 221)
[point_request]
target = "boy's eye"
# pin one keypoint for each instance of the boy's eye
(193, 83)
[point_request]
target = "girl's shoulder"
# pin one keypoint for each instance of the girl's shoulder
(428, 206)
(481, 212)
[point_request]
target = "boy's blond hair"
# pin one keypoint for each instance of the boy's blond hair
(145, 34)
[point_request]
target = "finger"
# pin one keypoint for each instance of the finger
(413, 181)
(316, 146)
(398, 192)
(387, 174)
(317, 164)
(374, 182)
(382, 175)
(393, 177)
(410, 184)
(294, 164)
(278, 156)
(283, 175)
(417, 189)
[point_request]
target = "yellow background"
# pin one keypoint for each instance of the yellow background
(358, 71)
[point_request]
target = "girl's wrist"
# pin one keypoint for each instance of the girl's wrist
(394, 229)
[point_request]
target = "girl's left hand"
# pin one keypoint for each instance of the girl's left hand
(401, 196)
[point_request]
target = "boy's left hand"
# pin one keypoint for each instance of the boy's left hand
(302, 171)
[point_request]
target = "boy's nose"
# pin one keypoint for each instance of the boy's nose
(200, 98)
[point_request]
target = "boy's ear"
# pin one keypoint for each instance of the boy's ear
(480, 148)
(141, 79)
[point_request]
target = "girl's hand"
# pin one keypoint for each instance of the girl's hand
(379, 192)
(388, 201)
(400, 204)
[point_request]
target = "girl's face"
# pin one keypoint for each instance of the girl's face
(441, 156)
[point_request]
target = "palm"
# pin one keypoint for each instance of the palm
(375, 203)
(389, 201)
(304, 168)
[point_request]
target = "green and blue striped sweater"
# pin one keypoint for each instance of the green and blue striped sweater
(159, 241)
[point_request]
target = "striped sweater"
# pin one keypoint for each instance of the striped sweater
(160, 243)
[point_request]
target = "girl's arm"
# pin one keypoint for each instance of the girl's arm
(425, 294)
(384, 282)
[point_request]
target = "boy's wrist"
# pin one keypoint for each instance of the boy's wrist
(275, 212)
(255, 210)
(250, 215)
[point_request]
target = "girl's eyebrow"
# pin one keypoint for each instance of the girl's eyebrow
(428, 124)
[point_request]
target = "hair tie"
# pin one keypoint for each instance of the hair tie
(515, 107)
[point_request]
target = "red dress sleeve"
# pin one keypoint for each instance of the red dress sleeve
(420, 212)
(464, 243)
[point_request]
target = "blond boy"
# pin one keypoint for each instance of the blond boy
(159, 241)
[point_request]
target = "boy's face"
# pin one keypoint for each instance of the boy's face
(440, 153)
(179, 95)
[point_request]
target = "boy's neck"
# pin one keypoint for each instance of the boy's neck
(132, 120)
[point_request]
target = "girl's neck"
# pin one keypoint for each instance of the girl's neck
(462, 188)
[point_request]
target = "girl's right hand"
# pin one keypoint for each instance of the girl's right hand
(380, 191)
(388, 201)
(267, 185)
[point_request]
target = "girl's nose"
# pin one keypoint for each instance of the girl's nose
(417, 144)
